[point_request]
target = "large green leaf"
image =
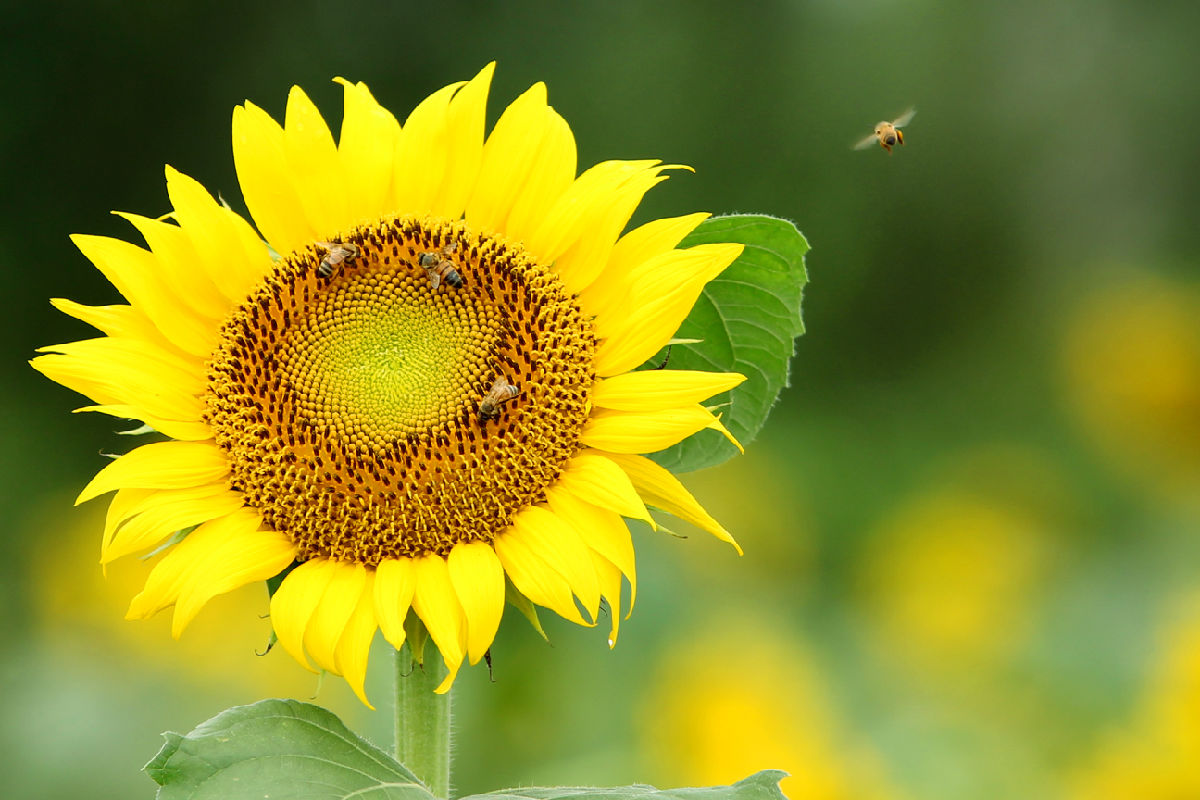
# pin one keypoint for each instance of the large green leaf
(759, 786)
(288, 749)
(282, 749)
(746, 321)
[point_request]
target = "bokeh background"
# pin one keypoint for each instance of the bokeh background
(971, 524)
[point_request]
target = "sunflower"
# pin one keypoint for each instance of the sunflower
(413, 388)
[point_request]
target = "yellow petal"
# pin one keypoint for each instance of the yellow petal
(167, 579)
(603, 531)
(129, 371)
(395, 581)
(123, 505)
(181, 265)
(534, 578)
(593, 477)
(179, 371)
(508, 155)
(649, 432)
(246, 554)
(440, 149)
(354, 647)
(123, 322)
(560, 546)
(528, 162)
(464, 145)
(367, 149)
(478, 580)
(162, 465)
(659, 488)
(134, 363)
(581, 263)
(128, 503)
(219, 556)
(136, 274)
(230, 253)
(437, 606)
(610, 583)
(313, 162)
(658, 236)
(121, 379)
(550, 175)
(266, 180)
(163, 513)
(80, 375)
(293, 605)
(658, 389)
(421, 154)
(584, 216)
(180, 430)
(328, 622)
(661, 295)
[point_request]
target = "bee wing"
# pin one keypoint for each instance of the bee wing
(867, 142)
(905, 118)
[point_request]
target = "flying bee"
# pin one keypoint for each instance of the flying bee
(501, 392)
(888, 134)
(439, 267)
(335, 254)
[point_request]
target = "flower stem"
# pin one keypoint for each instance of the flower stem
(423, 719)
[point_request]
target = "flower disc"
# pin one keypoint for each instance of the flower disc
(349, 405)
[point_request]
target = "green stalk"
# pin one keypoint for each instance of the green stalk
(423, 718)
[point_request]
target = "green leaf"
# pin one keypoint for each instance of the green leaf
(273, 585)
(747, 320)
(275, 582)
(523, 604)
(759, 786)
(278, 748)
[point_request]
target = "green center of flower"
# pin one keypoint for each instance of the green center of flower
(369, 414)
(383, 355)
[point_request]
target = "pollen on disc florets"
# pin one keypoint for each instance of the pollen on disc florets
(349, 404)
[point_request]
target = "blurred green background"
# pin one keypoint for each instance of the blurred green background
(971, 524)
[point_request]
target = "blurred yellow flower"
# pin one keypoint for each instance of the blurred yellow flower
(760, 491)
(1173, 697)
(947, 578)
(741, 698)
(1131, 360)
(1157, 757)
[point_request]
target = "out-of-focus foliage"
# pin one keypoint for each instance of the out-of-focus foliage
(968, 524)
(1156, 755)
(735, 693)
(1131, 360)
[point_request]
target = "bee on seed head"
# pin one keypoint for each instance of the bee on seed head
(439, 267)
(335, 254)
(501, 392)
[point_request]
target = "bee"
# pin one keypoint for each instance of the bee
(335, 254)
(439, 267)
(501, 392)
(888, 133)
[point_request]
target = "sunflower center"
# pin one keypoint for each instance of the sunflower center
(369, 414)
(383, 355)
